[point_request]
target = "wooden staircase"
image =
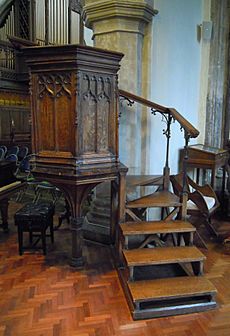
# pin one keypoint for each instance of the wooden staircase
(160, 269)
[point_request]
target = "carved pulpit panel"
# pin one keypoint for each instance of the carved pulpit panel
(97, 114)
(54, 111)
(74, 104)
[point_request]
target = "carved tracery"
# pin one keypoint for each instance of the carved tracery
(54, 85)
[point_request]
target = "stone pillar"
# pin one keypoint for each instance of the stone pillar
(122, 26)
(204, 70)
(217, 87)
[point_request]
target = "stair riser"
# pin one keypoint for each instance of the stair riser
(134, 241)
(197, 267)
(174, 301)
(172, 311)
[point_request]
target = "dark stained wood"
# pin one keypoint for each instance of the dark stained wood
(4, 203)
(74, 114)
(75, 125)
(206, 157)
(14, 91)
(196, 193)
(19, 116)
(9, 185)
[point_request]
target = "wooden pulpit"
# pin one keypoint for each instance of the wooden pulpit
(74, 99)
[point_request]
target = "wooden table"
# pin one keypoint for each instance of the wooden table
(205, 157)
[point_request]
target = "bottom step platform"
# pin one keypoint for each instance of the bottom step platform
(171, 296)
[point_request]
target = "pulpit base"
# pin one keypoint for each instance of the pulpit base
(76, 189)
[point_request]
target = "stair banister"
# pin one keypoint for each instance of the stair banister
(145, 260)
(184, 195)
(169, 114)
(191, 131)
(130, 96)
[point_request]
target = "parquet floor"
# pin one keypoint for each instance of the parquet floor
(44, 296)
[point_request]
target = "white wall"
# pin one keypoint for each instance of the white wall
(176, 65)
(88, 34)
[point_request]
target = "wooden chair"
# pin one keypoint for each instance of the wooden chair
(2, 153)
(12, 150)
(22, 153)
(34, 219)
(4, 148)
(202, 201)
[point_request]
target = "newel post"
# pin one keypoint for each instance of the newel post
(184, 195)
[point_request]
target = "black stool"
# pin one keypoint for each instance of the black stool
(34, 218)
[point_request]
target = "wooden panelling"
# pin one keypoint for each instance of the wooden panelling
(14, 118)
(14, 99)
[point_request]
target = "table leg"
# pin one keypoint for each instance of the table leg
(213, 179)
(198, 175)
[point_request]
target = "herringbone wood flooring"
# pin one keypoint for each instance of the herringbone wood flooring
(43, 296)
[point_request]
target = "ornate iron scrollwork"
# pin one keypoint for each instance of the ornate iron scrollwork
(129, 101)
(167, 119)
(124, 99)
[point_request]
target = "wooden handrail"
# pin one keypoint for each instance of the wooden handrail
(143, 101)
(191, 131)
(185, 124)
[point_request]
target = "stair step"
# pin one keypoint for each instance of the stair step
(185, 256)
(154, 227)
(157, 199)
(163, 255)
(164, 297)
(139, 234)
(143, 180)
(161, 289)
